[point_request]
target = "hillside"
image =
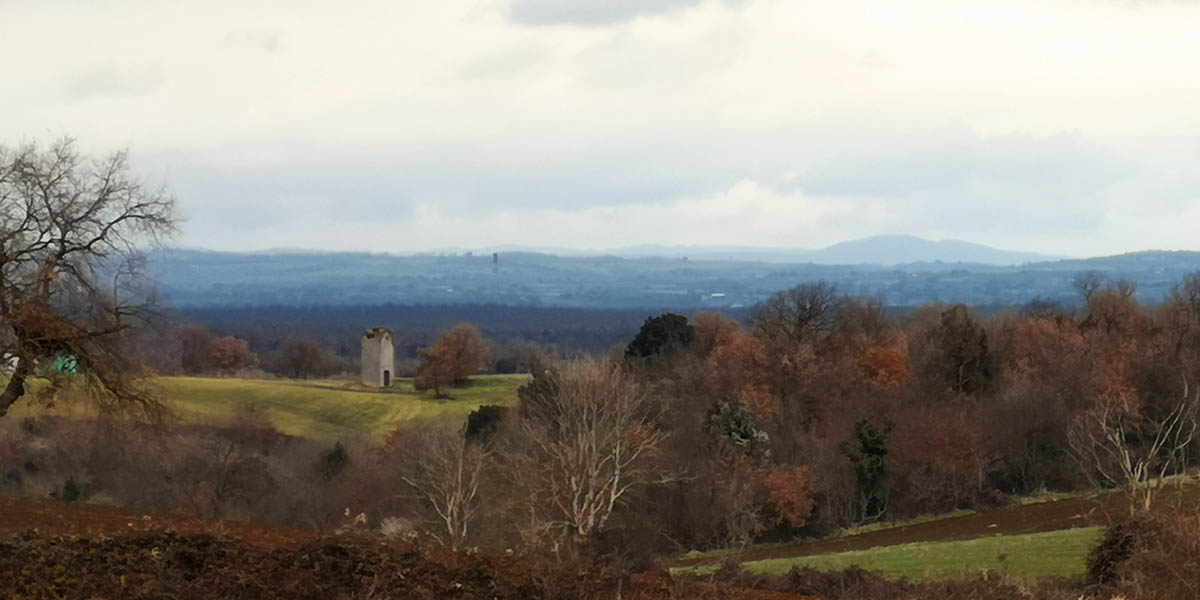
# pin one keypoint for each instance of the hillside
(874, 250)
(324, 409)
(192, 278)
(907, 249)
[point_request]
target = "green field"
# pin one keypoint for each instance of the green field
(1060, 553)
(326, 409)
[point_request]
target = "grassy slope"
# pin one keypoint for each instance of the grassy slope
(1036, 536)
(1060, 553)
(321, 409)
(332, 408)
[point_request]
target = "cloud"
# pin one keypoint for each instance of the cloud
(748, 209)
(590, 12)
(1050, 193)
(113, 81)
(1012, 122)
(261, 40)
(975, 184)
(506, 63)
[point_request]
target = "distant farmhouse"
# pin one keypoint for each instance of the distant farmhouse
(378, 358)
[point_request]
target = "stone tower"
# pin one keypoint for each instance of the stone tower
(378, 358)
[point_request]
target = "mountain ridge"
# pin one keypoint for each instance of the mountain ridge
(889, 249)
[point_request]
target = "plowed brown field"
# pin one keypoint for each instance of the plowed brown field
(52, 549)
(54, 518)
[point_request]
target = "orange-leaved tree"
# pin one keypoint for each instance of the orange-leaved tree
(230, 355)
(452, 359)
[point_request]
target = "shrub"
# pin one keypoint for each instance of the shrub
(333, 462)
(850, 583)
(1105, 560)
(506, 365)
(1150, 556)
(484, 422)
(71, 491)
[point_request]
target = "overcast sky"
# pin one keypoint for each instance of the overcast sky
(1061, 126)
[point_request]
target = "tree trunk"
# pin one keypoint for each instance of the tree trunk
(16, 386)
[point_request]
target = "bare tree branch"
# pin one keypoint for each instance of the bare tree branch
(588, 441)
(1120, 447)
(67, 224)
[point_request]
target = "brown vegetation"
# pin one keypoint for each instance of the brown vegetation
(303, 358)
(157, 565)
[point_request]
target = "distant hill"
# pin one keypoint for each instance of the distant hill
(192, 278)
(876, 250)
(905, 249)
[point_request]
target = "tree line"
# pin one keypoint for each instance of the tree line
(824, 412)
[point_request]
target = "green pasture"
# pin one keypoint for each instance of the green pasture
(325, 409)
(1058, 553)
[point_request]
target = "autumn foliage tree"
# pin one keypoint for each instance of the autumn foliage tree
(737, 368)
(230, 355)
(750, 493)
(452, 359)
(884, 365)
(711, 330)
(789, 494)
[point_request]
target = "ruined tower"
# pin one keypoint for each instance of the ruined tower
(378, 361)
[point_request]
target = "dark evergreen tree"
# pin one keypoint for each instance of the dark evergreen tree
(661, 335)
(484, 422)
(732, 422)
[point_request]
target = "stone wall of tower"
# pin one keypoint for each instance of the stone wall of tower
(378, 358)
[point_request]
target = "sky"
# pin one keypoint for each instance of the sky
(1067, 127)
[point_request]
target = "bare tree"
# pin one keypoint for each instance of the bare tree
(71, 272)
(1088, 283)
(587, 437)
(302, 358)
(1187, 292)
(445, 471)
(1122, 447)
(791, 316)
